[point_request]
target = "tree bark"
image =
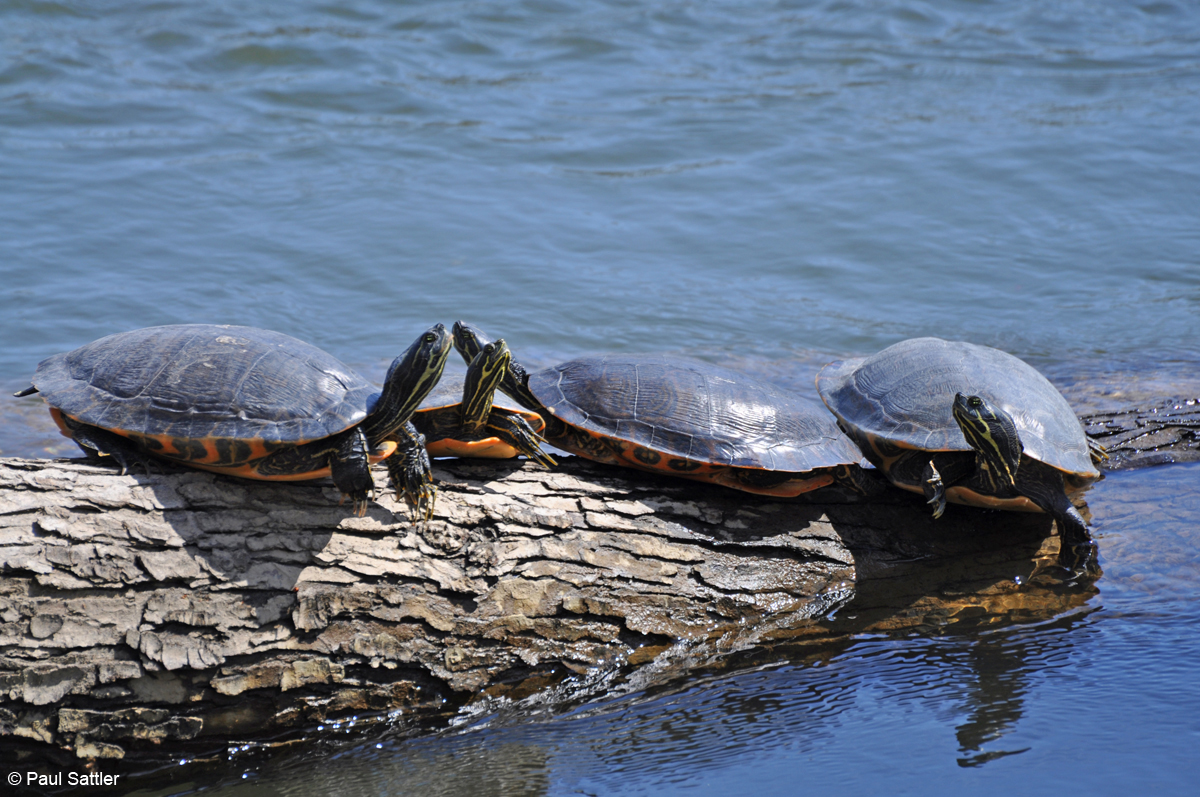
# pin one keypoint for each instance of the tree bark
(190, 608)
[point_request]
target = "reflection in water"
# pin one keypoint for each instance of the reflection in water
(999, 627)
(995, 700)
(800, 708)
(803, 708)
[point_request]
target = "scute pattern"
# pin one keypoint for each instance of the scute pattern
(693, 411)
(204, 382)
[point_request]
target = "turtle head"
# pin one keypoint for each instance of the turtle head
(420, 367)
(992, 433)
(484, 373)
(409, 380)
(470, 340)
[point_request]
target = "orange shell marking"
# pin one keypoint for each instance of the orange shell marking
(166, 447)
(488, 448)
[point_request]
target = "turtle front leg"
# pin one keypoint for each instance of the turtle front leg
(411, 473)
(514, 430)
(934, 488)
(1077, 550)
(942, 471)
(350, 467)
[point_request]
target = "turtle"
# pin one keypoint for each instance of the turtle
(246, 402)
(970, 424)
(461, 418)
(667, 414)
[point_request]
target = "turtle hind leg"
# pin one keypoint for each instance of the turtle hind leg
(514, 430)
(95, 442)
(1044, 486)
(865, 481)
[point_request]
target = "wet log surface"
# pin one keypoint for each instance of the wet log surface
(180, 610)
(1158, 433)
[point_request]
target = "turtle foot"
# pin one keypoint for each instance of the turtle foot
(516, 431)
(935, 490)
(412, 479)
(1079, 560)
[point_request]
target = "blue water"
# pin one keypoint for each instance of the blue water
(765, 185)
(724, 178)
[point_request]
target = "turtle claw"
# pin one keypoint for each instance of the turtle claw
(359, 502)
(420, 505)
(538, 455)
(939, 506)
(1098, 453)
(418, 492)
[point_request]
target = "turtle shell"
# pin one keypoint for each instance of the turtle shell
(203, 382)
(904, 394)
(694, 411)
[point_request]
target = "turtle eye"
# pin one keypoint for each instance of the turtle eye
(430, 337)
(975, 402)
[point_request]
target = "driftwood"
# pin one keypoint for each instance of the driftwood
(1154, 434)
(189, 608)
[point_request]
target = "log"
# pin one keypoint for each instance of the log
(180, 610)
(1157, 433)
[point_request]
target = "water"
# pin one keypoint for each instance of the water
(768, 186)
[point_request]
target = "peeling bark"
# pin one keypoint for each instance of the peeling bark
(185, 606)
